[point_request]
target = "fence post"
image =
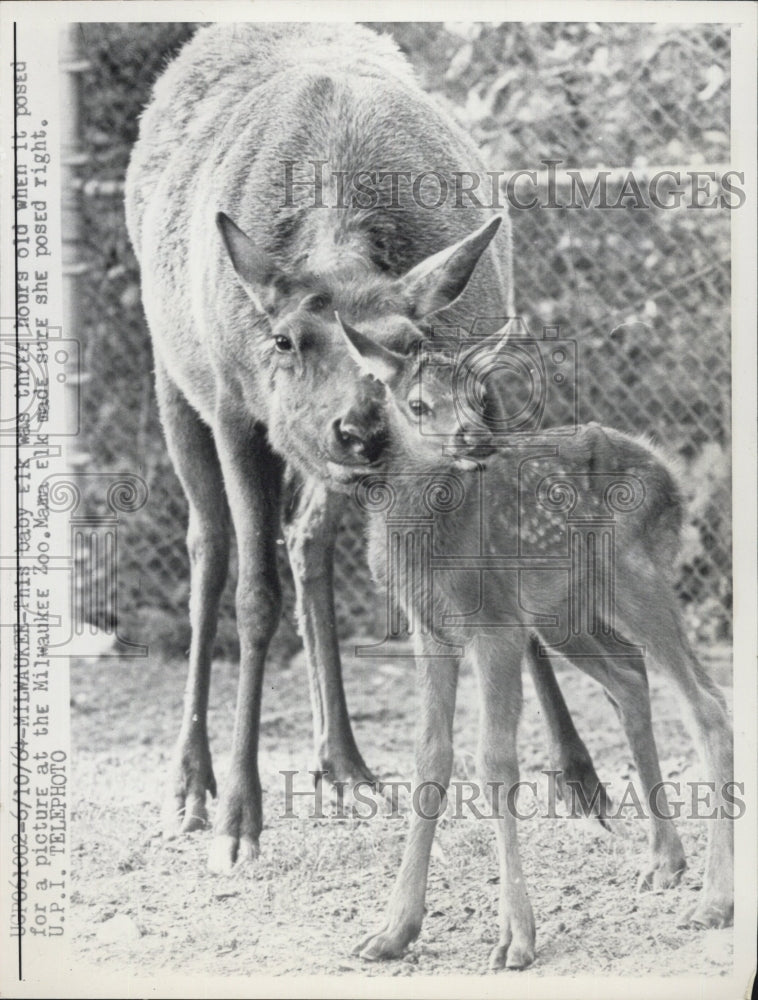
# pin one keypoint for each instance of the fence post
(73, 155)
(71, 65)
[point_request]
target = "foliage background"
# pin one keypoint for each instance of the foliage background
(619, 96)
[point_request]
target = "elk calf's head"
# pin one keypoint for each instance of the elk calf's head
(443, 401)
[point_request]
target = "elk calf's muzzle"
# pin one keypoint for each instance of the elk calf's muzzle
(360, 434)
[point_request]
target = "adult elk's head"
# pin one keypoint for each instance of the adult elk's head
(328, 405)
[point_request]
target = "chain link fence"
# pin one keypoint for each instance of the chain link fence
(643, 291)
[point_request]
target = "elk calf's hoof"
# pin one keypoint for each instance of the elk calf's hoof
(389, 942)
(190, 778)
(226, 852)
(511, 956)
(706, 915)
(195, 816)
(346, 769)
(662, 874)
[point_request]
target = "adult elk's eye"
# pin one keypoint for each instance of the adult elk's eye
(283, 344)
(419, 408)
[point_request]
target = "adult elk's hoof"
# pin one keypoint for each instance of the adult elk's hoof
(238, 825)
(226, 852)
(707, 914)
(191, 778)
(388, 942)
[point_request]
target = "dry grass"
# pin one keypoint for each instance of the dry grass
(320, 884)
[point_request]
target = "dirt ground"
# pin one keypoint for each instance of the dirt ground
(149, 905)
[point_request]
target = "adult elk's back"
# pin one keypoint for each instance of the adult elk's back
(250, 131)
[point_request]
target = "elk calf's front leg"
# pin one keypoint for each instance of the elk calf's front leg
(500, 693)
(437, 680)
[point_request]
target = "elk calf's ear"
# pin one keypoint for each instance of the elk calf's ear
(255, 268)
(438, 281)
(485, 353)
(372, 358)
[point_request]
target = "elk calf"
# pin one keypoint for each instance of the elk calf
(604, 600)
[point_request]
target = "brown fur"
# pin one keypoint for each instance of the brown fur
(237, 103)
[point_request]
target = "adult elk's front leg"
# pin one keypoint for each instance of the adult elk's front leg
(193, 453)
(252, 475)
(312, 515)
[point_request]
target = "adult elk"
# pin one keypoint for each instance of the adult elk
(262, 124)
(445, 509)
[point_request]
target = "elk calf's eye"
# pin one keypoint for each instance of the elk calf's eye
(282, 344)
(317, 303)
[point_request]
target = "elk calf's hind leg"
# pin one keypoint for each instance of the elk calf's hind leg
(193, 452)
(628, 691)
(705, 712)
(624, 679)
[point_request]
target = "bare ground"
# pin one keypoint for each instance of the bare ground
(144, 903)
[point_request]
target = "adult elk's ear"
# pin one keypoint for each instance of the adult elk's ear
(438, 281)
(256, 269)
(372, 358)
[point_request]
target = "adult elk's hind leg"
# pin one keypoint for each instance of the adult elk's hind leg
(191, 447)
(252, 475)
(570, 754)
(312, 515)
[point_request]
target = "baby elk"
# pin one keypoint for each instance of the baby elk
(500, 547)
